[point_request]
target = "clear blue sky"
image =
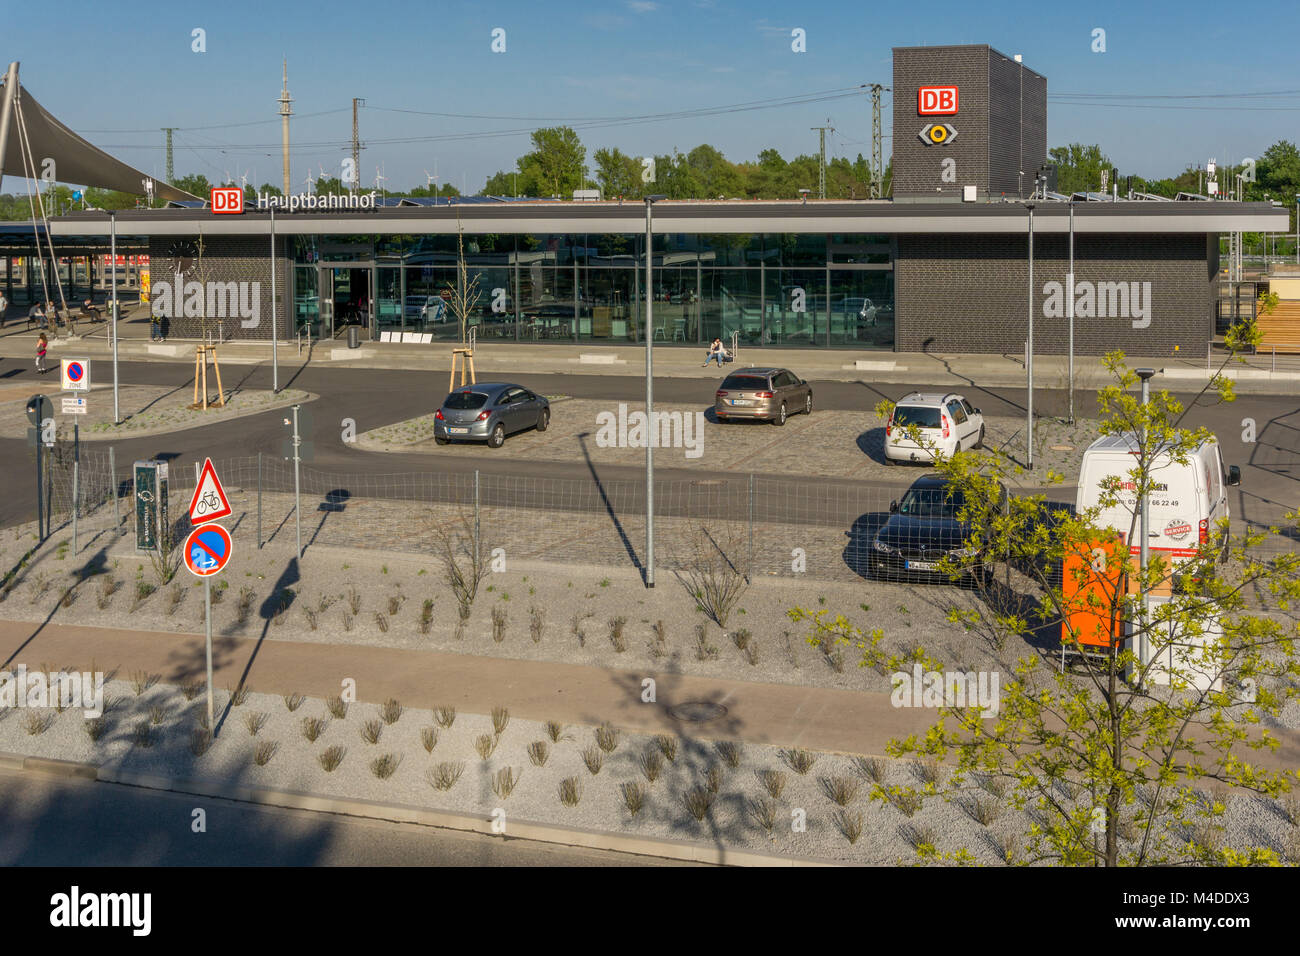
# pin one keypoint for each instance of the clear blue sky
(129, 67)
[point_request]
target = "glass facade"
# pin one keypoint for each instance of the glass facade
(788, 290)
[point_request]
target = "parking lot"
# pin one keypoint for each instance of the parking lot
(833, 444)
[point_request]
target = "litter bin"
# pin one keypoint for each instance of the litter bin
(354, 339)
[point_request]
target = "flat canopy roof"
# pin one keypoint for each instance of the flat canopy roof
(735, 216)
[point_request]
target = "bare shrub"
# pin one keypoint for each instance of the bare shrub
(570, 791)
(444, 775)
(594, 759)
(539, 752)
(715, 572)
(331, 757)
(457, 547)
(504, 782)
(607, 737)
(313, 727)
(633, 797)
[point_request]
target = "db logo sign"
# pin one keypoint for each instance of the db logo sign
(228, 200)
(936, 100)
(938, 133)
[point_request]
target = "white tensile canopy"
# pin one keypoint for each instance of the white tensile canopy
(75, 160)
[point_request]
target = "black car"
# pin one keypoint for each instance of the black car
(923, 529)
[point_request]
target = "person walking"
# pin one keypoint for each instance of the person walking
(41, 345)
(4, 307)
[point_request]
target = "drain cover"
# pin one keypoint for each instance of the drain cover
(696, 711)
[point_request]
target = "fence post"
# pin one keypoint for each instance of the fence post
(259, 501)
(112, 476)
(476, 522)
(750, 570)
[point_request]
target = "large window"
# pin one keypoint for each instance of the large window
(781, 289)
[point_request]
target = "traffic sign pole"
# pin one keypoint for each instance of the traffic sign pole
(297, 488)
(207, 629)
(76, 481)
(40, 507)
(207, 550)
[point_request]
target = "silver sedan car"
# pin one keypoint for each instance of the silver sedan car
(488, 412)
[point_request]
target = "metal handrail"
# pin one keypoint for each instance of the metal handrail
(1272, 347)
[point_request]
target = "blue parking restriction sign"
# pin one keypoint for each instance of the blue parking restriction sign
(207, 549)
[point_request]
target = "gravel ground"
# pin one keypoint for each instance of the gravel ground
(147, 409)
(572, 598)
(577, 603)
(837, 444)
(884, 833)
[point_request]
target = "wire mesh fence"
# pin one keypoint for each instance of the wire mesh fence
(766, 526)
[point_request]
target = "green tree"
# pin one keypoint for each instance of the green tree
(557, 163)
(111, 199)
(1109, 752)
(1078, 167)
(330, 186)
(618, 174)
(196, 184)
(428, 192)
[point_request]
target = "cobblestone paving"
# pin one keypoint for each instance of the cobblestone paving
(838, 444)
(146, 409)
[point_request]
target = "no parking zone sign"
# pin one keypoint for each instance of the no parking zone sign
(207, 550)
(76, 374)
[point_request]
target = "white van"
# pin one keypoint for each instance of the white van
(1187, 500)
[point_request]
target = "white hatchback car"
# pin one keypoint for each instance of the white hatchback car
(947, 423)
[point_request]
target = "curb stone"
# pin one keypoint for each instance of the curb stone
(404, 813)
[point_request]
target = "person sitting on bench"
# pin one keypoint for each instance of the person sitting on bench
(91, 311)
(36, 316)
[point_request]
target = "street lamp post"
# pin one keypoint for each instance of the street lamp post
(275, 358)
(1029, 348)
(1069, 309)
(649, 394)
(1144, 527)
(112, 256)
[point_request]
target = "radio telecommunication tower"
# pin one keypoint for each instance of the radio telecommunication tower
(286, 110)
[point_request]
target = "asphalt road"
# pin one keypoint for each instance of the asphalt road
(375, 397)
(60, 821)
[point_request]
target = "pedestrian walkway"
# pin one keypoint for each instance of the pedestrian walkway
(783, 715)
(1262, 374)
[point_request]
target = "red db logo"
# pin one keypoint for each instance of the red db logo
(227, 199)
(936, 100)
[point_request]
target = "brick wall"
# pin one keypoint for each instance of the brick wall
(1001, 123)
(970, 293)
(918, 165)
(225, 259)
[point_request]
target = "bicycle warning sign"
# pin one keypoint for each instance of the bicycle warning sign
(209, 502)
